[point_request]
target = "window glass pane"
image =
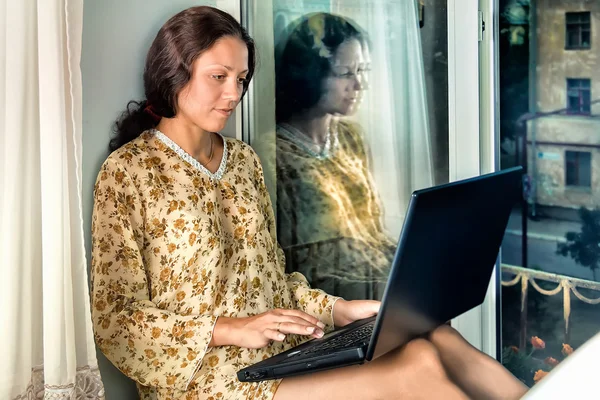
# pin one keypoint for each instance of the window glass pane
(585, 169)
(573, 38)
(572, 168)
(577, 17)
(571, 174)
(573, 90)
(585, 17)
(573, 104)
(561, 195)
(572, 17)
(361, 118)
(585, 101)
(585, 39)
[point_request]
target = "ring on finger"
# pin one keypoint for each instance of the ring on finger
(278, 326)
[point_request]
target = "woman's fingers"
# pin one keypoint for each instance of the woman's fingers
(298, 321)
(284, 322)
(303, 326)
(274, 335)
(298, 329)
(302, 315)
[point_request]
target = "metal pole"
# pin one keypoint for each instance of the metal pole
(533, 99)
(523, 319)
(525, 202)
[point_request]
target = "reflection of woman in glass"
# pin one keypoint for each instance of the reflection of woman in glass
(329, 218)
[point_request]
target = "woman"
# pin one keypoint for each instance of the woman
(188, 283)
(328, 212)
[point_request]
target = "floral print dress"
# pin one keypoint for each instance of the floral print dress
(175, 247)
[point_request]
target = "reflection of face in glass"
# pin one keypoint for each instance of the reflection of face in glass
(321, 69)
(367, 71)
(343, 87)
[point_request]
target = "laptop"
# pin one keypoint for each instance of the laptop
(445, 257)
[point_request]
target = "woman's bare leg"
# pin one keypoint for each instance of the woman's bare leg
(479, 375)
(412, 372)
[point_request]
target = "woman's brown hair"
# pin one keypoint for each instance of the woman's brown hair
(182, 39)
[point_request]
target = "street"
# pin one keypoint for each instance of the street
(542, 255)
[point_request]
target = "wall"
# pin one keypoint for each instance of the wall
(557, 134)
(116, 37)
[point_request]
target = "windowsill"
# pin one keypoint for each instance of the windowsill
(578, 114)
(578, 48)
(580, 117)
(579, 189)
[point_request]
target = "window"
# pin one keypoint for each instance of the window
(578, 96)
(578, 171)
(578, 29)
(560, 183)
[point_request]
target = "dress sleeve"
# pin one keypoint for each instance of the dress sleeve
(314, 302)
(154, 347)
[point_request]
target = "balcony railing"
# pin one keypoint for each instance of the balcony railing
(565, 284)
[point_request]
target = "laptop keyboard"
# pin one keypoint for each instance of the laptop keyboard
(344, 340)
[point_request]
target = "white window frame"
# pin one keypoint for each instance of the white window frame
(234, 125)
(473, 133)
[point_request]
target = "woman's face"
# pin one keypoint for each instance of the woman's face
(216, 86)
(343, 88)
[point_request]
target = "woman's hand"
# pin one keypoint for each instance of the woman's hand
(345, 312)
(257, 331)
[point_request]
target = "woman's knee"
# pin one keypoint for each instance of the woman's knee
(421, 356)
(443, 333)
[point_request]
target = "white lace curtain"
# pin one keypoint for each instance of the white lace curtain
(395, 112)
(46, 336)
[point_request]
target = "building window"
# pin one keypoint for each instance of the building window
(578, 96)
(578, 27)
(578, 169)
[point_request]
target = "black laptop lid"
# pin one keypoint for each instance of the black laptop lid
(445, 256)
